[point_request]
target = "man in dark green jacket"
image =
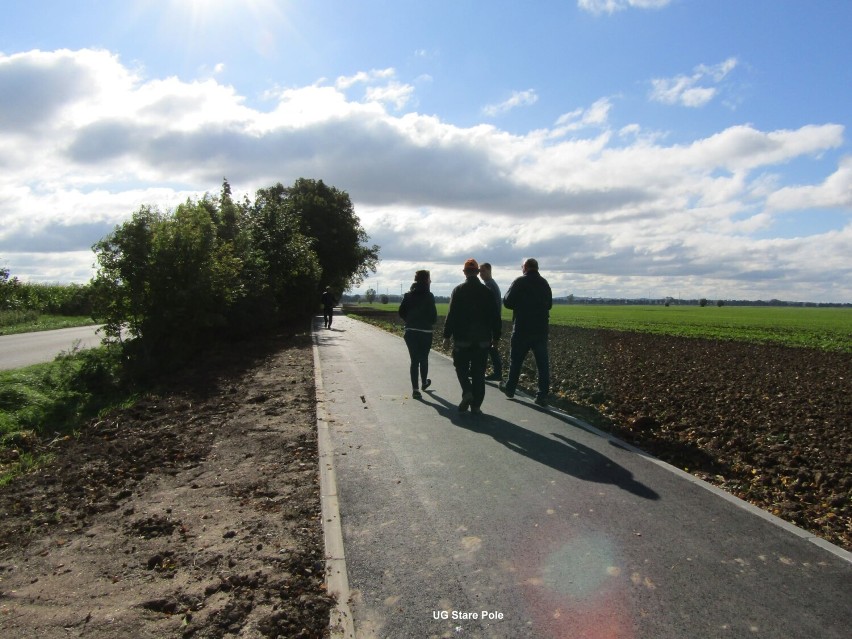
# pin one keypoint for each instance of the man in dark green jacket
(474, 325)
(530, 299)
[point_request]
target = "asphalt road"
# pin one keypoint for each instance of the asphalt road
(26, 349)
(524, 522)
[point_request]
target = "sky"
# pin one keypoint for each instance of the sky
(636, 148)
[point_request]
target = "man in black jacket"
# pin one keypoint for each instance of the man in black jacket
(328, 303)
(530, 299)
(474, 325)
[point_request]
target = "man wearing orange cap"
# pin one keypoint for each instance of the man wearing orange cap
(474, 325)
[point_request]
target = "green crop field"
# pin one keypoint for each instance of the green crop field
(822, 328)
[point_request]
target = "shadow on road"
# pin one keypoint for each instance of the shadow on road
(562, 454)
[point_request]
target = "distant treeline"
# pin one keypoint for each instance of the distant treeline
(395, 299)
(53, 299)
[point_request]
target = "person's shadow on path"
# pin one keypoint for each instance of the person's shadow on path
(562, 454)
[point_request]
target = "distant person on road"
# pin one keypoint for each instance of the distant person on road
(474, 326)
(530, 299)
(328, 304)
(420, 314)
(494, 351)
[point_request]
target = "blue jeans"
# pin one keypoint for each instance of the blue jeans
(518, 349)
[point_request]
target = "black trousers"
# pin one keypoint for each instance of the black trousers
(419, 344)
(470, 362)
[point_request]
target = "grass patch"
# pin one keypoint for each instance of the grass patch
(14, 322)
(49, 401)
(25, 463)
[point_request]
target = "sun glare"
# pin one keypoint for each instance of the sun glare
(213, 25)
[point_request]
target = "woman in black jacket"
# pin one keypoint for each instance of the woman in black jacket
(419, 312)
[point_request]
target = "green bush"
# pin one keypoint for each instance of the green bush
(11, 318)
(212, 268)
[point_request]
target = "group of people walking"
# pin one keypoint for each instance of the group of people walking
(473, 327)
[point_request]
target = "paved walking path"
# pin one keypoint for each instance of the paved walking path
(524, 522)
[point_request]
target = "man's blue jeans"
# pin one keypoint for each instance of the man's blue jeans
(518, 349)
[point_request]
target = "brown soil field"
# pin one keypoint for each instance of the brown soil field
(769, 424)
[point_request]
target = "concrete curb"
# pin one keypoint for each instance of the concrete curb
(336, 579)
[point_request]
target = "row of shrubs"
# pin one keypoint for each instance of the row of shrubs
(170, 283)
(52, 299)
(212, 268)
(215, 267)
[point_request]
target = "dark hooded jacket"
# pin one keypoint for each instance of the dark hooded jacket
(418, 308)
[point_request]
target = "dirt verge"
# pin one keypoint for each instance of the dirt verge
(195, 513)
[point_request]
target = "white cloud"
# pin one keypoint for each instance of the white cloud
(364, 77)
(380, 87)
(834, 192)
(599, 208)
(595, 116)
(687, 90)
(394, 93)
(517, 99)
(612, 6)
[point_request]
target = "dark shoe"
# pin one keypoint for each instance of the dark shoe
(509, 394)
(494, 377)
(426, 384)
(541, 400)
(467, 398)
(476, 410)
(416, 394)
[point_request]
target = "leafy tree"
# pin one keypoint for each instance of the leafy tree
(370, 295)
(213, 266)
(7, 289)
(327, 215)
(702, 302)
(124, 279)
(166, 279)
(228, 214)
(283, 271)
